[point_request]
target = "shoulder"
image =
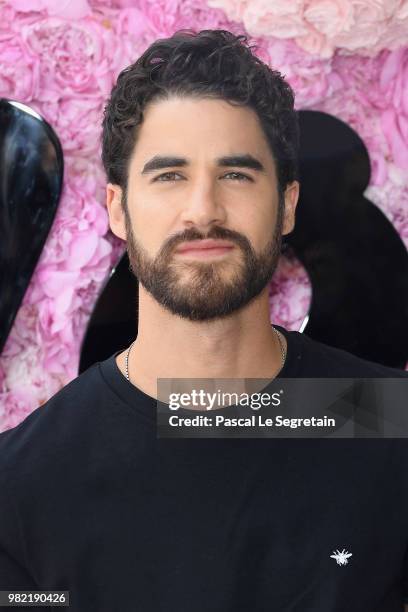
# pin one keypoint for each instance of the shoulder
(319, 359)
(54, 427)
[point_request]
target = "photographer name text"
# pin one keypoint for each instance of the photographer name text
(254, 420)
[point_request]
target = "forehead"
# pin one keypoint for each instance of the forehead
(199, 129)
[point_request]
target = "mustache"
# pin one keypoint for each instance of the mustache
(215, 233)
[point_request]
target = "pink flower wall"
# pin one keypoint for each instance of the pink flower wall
(345, 57)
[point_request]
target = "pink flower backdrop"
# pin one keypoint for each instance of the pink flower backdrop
(345, 57)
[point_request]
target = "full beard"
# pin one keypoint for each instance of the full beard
(200, 290)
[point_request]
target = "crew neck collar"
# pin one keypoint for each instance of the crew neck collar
(143, 403)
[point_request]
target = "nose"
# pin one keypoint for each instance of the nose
(202, 206)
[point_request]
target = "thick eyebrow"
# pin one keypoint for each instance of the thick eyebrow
(159, 162)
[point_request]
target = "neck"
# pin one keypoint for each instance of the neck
(243, 345)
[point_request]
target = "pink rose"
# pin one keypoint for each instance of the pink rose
(394, 80)
(373, 11)
(26, 375)
(19, 71)
(77, 57)
(67, 9)
(131, 21)
(400, 221)
(75, 119)
(16, 406)
(196, 12)
(330, 16)
(233, 8)
(311, 77)
(394, 89)
(369, 25)
(395, 127)
(289, 294)
(55, 281)
(161, 16)
(281, 19)
(321, 26)
(316, 43)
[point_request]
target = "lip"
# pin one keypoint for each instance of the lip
(204, 253)
(205, 245)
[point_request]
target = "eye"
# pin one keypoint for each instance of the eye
(160, 177)
(241, 177)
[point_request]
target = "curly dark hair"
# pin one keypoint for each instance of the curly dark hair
(206, 64)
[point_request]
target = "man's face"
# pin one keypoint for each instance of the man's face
(200, 197)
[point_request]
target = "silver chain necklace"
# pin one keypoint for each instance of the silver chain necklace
(282, 348)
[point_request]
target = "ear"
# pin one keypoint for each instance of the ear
(115, 210)
(291, 199)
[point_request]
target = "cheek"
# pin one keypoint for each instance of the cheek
(253, 220)
(150, 228)
(260, 229)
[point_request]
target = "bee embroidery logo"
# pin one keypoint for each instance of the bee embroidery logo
(341, 557)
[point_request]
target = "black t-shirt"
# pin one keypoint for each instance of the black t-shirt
(92, 502)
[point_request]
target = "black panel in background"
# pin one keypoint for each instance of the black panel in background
(31, 173)
(113, 324)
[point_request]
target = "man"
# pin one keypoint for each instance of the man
(199, 144)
